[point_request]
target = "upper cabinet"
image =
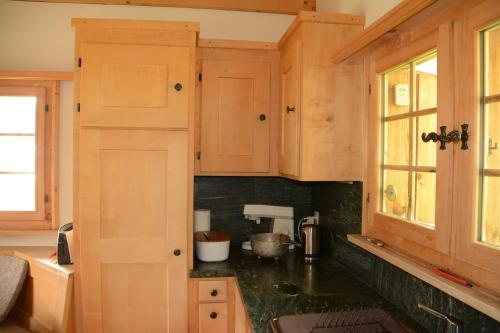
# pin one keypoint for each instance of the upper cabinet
(138, 85)
(320, 102)
(235, 116)
(237, 122)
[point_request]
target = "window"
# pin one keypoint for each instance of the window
(27, 154)
(489, 213)
(409, 107)
(439, 206)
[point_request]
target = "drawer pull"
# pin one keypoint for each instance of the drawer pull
(177, 252)
(214, 292)
(213, 315)
(178, 86)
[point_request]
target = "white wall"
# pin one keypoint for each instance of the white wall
(372, 9)
(38, 36)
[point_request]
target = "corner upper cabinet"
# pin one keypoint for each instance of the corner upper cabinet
(237, 108)
(320, 102)
(126, 84)
(235, 116)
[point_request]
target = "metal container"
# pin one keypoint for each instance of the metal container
(309, 237)
(270, 245)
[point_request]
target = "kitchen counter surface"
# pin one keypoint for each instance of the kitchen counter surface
(266, 285)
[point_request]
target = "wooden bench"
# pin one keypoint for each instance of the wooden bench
(46, 300)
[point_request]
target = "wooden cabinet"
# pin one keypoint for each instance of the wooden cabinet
(133, 175)
(235, 116)
(241, 321)
(128, 85)
(216, 306)
(320, 101)
(211, 304)
(237, 123)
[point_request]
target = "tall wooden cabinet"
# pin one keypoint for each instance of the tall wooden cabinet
(321, 127)
(133, 174)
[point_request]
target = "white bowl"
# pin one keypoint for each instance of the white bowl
(215, 248)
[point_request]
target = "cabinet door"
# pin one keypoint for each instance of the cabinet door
(134, 86)
(241, 321)
(290, 109)
(235, 117)
(133, 190)
(213, 318)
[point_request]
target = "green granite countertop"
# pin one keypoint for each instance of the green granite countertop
(266, 285)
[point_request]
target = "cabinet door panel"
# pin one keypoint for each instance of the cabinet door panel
(134, 86)
(132, 216)
(213, 318)
(290, 109)
(235, 117)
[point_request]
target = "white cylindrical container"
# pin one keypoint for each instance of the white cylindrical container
(212, 246)
(201, 220)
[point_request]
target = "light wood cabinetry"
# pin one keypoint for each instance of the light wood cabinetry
(216, 306)
(237, 121)
(235, 116)
(133, 174)
(320, 101)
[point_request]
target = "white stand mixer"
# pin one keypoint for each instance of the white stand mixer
(282, 220)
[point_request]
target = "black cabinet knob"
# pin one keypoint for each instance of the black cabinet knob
(290, 109)
(177, 252)
(213, 315)
(262, 117)
(214, 292)
(178, 86)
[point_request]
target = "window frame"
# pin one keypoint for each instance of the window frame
(468, 163)
(410, 237)
(45, 217)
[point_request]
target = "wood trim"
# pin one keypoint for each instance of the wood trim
(37, 75)
(134, 24)
(316, 17)
(475, 297)
(389, 21)
(237, 44)
(48, 184)
(410, 114)
(16, 232)
(261, 6)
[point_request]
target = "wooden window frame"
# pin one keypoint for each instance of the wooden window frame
(467, 163)
(47, 126)
(466, 257)
(410, 236)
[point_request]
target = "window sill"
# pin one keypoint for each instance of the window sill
(475, 297)
(28, 233)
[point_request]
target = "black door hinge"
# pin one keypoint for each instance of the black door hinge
(199, 77)
(46, 108)
(368, 198)
(46, 198)
(369, 89)
(198, 155)
(78, 107)
(79, 62)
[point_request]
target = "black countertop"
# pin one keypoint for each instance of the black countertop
(266, 285)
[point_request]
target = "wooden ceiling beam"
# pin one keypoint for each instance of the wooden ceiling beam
(266, 6)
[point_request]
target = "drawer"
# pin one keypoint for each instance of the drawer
(212, 318)
(212, 291)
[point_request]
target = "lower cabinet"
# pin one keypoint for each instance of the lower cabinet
(216, 306)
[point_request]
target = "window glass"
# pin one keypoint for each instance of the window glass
(17, 153)
(489, 218)
(409, 103)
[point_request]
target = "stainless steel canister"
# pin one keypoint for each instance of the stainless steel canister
(310, 240)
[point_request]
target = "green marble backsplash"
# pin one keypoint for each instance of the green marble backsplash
(339, 205)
